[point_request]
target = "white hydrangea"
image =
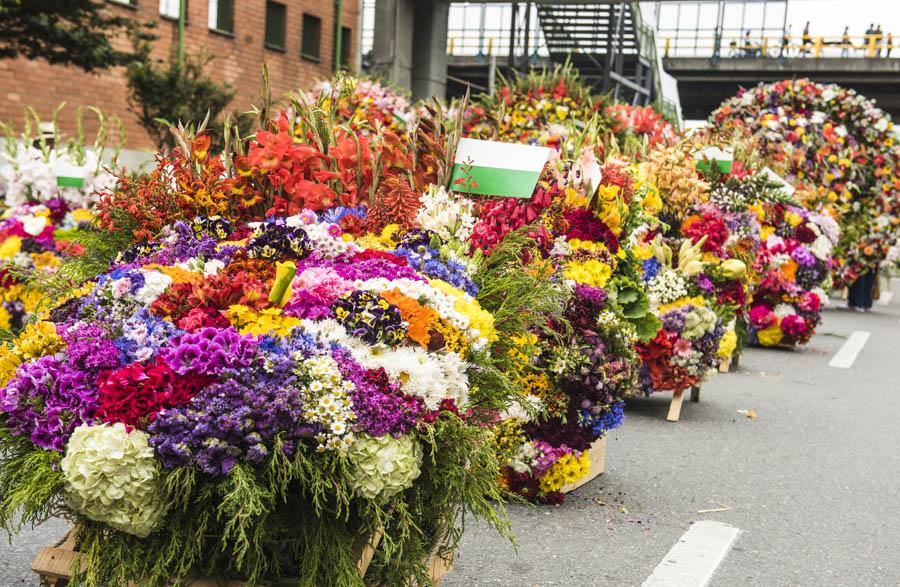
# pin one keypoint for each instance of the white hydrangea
(821, 247)
(384, 466)
(447, 214)
(112, 477)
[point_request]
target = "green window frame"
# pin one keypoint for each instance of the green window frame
(221, 16)
(276, 23)
(311, 40)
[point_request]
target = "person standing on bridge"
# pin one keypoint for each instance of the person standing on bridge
(878, 36)
(807, 39)
(846, 44)
(786, 42)
(889, 44)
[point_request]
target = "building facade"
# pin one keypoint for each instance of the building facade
(294, 38)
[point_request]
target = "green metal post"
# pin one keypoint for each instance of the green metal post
(182, 19)
(338, 34)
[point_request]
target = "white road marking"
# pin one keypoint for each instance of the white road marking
(885, 298)
(695, 557)
(846, 355)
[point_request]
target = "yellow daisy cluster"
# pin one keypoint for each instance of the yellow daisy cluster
(568, 469)
(589, 272)
(326, 401)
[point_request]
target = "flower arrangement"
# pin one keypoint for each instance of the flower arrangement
(640, 122)
(254, 355)
(794, 262)
(365, 100)
(838, 149)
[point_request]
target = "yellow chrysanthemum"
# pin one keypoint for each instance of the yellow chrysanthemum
(770, 336)
(479, 319)
(568, 469)
(727, 345)
(10, 247)
(589, 272)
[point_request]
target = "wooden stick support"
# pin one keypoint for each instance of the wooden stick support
(695, 393)
(675, 406)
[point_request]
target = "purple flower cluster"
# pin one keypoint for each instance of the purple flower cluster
(229, 421)
(47, 400)
(210, 351)
(380, 407)
(275, 240)
(370, 317)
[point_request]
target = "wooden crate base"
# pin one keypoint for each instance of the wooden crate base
(54, 564)
(597, 454)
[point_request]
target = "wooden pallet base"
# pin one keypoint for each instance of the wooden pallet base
(597, 454)
(54, 564)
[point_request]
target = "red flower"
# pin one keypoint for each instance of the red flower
(136, 393)
(202, 317)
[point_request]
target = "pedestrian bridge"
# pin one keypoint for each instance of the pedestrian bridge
(703, 82)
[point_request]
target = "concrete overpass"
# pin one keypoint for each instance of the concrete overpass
(703, 83)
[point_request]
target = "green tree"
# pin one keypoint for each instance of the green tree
(68, 32)
(163, 95)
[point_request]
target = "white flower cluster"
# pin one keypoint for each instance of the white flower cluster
(326, 401)
(28, 176)
(112, 476)
(525, 459)
(326, 238)
(198, 265)
(666, 287)
(431, 376)
(783, 310)
(445, 213)
(523, 408)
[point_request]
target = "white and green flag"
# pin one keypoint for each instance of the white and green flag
(490, 168)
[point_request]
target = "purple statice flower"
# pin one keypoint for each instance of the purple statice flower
(380, 407)
(210, 351)
(228, 422)
(673, 320)
(803, 257)
(46, 400)
(90, 347)
(428, 261)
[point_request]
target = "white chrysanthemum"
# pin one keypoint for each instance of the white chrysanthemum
(523, 408)
(112, 476)
(525, 458)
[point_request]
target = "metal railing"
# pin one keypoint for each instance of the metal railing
(736, 46)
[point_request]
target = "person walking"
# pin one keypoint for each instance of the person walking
(870, 33)
(786, 42)
(845, 42)
(889, 44)
(862, 291)
(807, 39)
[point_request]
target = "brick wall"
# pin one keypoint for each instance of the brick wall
(237, 59)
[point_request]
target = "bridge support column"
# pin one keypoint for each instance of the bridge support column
(410, 45)
(429, 75)
(392, 49)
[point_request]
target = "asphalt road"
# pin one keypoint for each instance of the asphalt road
(813, 482)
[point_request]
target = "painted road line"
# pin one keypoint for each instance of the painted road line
(847, 354)
(885, 298)
(695, 557)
